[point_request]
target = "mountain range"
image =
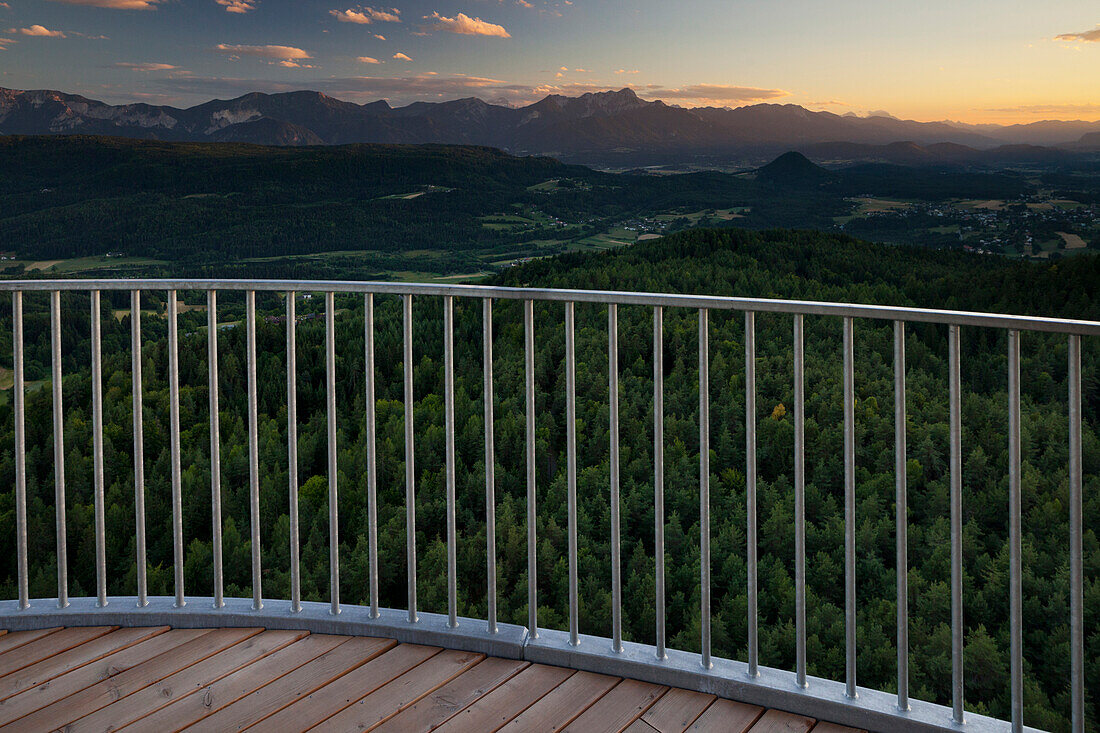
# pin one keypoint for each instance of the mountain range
(595, 127)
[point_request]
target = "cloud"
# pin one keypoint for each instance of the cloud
(467, 26)
(367, 60)
(5, 41)
(401, 57)
(5, 5)
(283, 53)
(39, 31)
(711, 93)
(1048, 109)
(626, 71)
(1092, 36)
(145, 66)
(115, 4)
(427, 84)
(366, 16)
(379, 36)
(238, 6)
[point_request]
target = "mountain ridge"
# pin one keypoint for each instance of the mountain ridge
(592, 124)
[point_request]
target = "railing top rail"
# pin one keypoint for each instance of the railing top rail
(621, 297)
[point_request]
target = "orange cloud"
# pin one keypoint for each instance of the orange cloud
(115, 4)
(366, 16)
(467, 26)
(367, 60)
(723, 93)
(401, 57)
(1092, 36)
(283, 53)
(237, 6)
(145, 67)
(38, 31)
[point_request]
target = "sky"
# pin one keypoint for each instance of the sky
(977, 61)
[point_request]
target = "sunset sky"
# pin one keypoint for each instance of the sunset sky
(971, 60)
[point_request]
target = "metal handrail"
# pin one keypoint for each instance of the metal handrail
(798, 691)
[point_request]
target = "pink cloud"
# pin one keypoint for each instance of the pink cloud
(366, 16)
(38, 31)
(237, 6)
(284, 53)
(467, 26)
(401, 57)
(1092, 36)
(115, 4)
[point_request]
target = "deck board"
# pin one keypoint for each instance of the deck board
(322, 704)
(397, 695)
(563, 704)
(228, 690)
(727, 716)
(677, 710)
(75, 658)
(453, 697)
(73, 681)
(499, 707)
(620, 707)
(185, 682)
(161, 680)
(135, 679)
(49, 646)
(297, 685)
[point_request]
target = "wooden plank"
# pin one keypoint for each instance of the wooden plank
(62, 686)
(49, 646)
(322, 704)
(835, 728)
(134, 679)
(16, 639)
(677, 710)
(496, 709)
(193, 708)
(185, 682)
(401, 693)
(620, 707)
(88, 652)
(454, 696)
(776, 721)
(287, 690)
(727, 716)
(563, 704)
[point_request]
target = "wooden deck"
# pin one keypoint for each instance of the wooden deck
(161, 679)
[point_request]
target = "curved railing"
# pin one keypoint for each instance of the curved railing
(748, 680)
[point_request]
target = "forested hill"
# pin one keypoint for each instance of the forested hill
(773, 264)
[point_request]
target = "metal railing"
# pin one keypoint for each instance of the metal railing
(748, 680)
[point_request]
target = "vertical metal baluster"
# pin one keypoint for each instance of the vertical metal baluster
(613, 408)
(571, 461)
(449, 415)
(59, 451)
(529, 389)
(659, 473)
(215, 445)
(139, 447)
(849, 509)
(20, 451)
(292, 448)
(333, 478)
(410, 472)
(750, 489)
(97, 454)
(799, 503)
(253, 450)
(704, 485)
(174, 440)
(490, 465)
(1014, 569)
(954, 398)
(372, 471)
(902, 515)
(1076, 593)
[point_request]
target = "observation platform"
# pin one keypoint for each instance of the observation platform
(156, 678)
